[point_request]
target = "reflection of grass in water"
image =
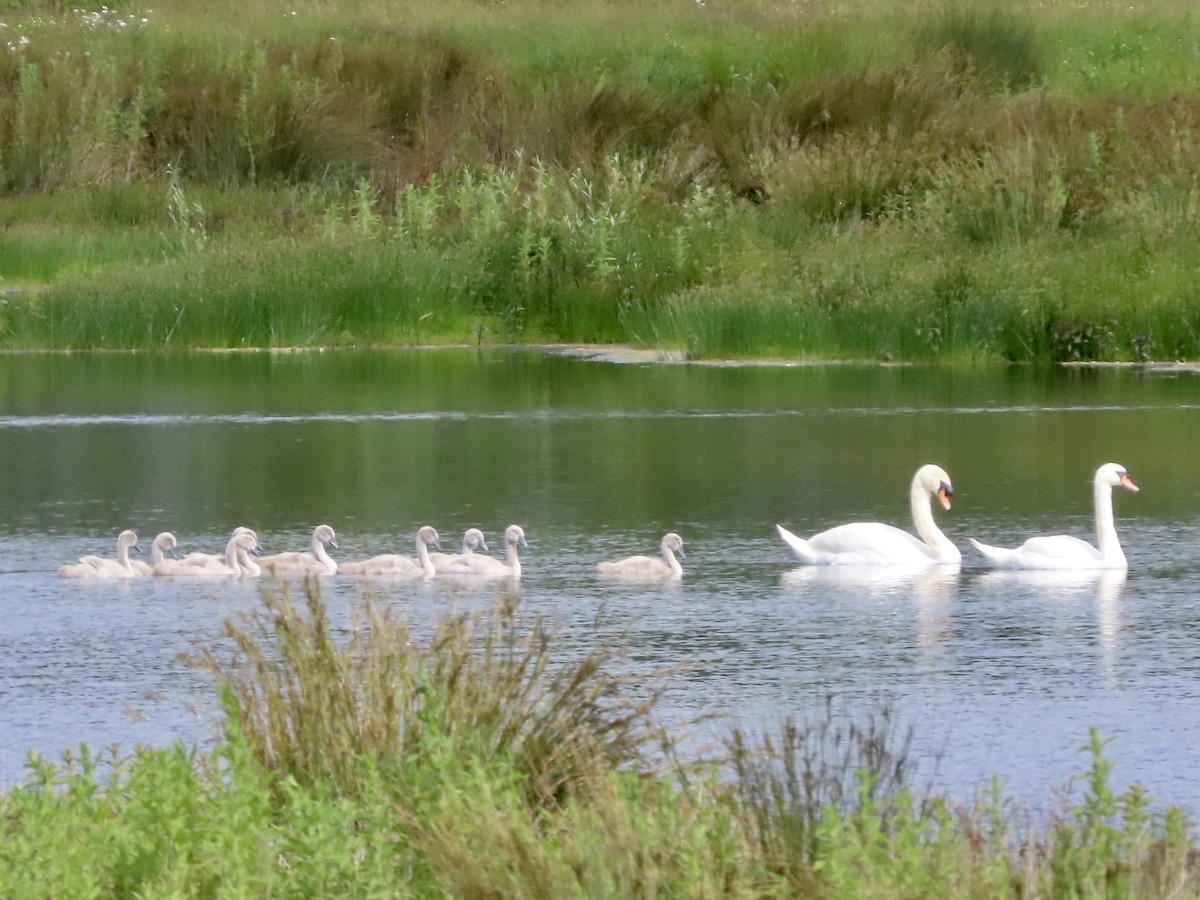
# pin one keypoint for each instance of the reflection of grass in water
(485, 764)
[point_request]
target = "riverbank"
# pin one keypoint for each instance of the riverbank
(729, 183)
(373, 763)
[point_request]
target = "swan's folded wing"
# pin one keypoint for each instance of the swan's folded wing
(870, 543)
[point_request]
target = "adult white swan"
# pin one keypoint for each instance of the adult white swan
(649, 568)
(480, 566)
(102, 567)
(472, 540)
(876, 544)
(397, 565)
(1062, 551)
(314, 561)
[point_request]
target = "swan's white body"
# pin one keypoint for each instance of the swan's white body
(876, 544)
(649, 568)
(235, 563)
(102, 567)
(314, 561)
(1062, 551)
(164, 543)
(472, 540)
(396, 565)
(476, 565)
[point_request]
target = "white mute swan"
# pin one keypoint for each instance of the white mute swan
(472, 540)
(314, 561)
(480, 566)
(164, 542)
(649, 568)
(1061, 551)
(236, 561)
(876, 544)
(397, 565)
(102, 567)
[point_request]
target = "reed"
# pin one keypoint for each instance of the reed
(561, 172)
(486, 759)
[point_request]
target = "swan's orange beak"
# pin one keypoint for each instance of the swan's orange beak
(944, 493)
(1127, 483)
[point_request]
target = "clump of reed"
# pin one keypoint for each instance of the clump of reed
(486, 688)
(483, 759)
(609, 188)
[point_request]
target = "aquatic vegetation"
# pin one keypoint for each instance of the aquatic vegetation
(599, 183)
(486, 759)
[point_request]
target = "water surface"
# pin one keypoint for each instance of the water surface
(998, 674)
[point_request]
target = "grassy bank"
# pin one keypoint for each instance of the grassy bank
(942, 181)
(486, 762)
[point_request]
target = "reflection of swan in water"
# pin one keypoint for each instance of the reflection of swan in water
(1104, 584)
(314, 561)
(923, 582)
(397, 565)
(649, 568)
(876, 544)
(164, 543)
(1062, 551)
(102, 567)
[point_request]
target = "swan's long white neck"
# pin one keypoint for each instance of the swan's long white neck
(510, 557)
(231, 554)
(322, 555)
(1106, 529)
(423, 557)
(247, 566)
(668, 556)
(941, 548)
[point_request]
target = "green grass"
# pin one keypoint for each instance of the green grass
(484, 760)
(676, 173)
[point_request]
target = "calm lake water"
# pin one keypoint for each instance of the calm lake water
(998, 674)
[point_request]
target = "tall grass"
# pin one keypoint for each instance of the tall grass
(564, 172)
(483, 759)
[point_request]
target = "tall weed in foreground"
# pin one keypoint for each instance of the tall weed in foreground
(488, 687)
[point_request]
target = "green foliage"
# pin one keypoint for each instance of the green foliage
(559, 172)
(479, 761)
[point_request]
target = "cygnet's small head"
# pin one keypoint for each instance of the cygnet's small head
(248, 541)
(165, 541)
(674, 543)
(324, 534)
(515, 534)
(127, 539)
(473, 540)
(428, 535)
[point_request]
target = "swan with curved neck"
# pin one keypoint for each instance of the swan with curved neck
(649, 568)
(164, 543)
(876, 544)
(1062, 551)
(235, 562)
(314, 561)
(472, 540)
(103, 567)
(397, 565)
(221, 560)
(480, 566)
